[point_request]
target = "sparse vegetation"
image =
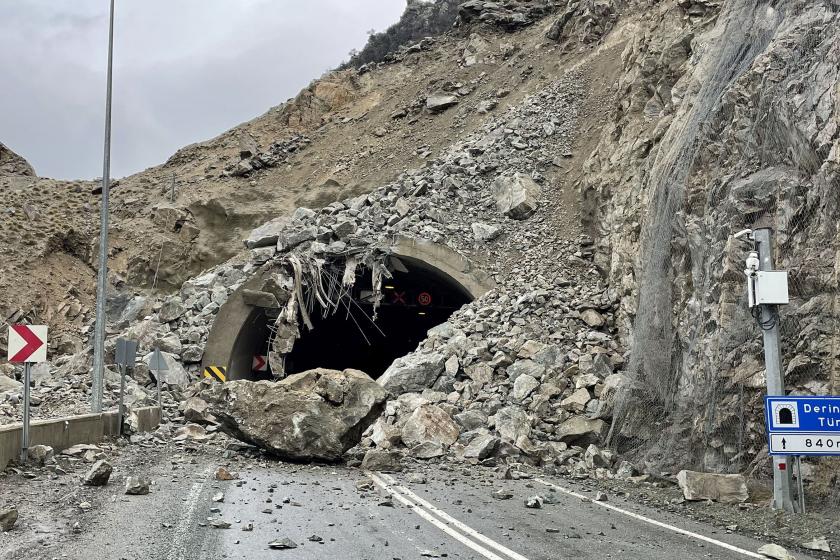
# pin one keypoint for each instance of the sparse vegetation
(422, 18)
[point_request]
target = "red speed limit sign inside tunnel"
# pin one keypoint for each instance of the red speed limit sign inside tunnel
(425, 298)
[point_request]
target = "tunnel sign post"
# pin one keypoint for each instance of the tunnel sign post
(125, 355)
(27, 345)
(158, 364)
(803, 425)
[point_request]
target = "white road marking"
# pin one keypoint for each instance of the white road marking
(655, 522)
(446, 517)
(182, 530)
(400, 494)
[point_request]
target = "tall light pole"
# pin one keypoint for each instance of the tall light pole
(102, 273)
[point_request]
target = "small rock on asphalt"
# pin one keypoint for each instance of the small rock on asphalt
(819, 543)
(137, 485)
(282, 544)
(98, 474)
(775, 551)
(8, 518)
(534, 502)
(224, 474)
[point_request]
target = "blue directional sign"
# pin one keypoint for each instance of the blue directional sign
(803, 425)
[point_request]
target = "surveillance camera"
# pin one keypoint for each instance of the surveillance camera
(742, 233)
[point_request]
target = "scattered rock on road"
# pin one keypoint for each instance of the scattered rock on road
(724, 488)
(819, 543)
(193, 432)
(329, 410)
(224, 474)
(502, 494)
(776, 552)
(282, 544)
(196, 410)
(40, 454)
(98, 474)
(8, 518)
(137, 485)
(382, 460)
(534, 502)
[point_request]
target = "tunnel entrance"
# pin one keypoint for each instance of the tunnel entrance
(358, 334)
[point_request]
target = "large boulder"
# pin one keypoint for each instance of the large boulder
(382, 460)
(174, 375)
(267, 234)
(314, 415)
(724, 488)
(582, 430)
(430, 423)
(9, 385)
(512, 423)
(440, 102)
(196, 410)
(517, 196)
(412, 373)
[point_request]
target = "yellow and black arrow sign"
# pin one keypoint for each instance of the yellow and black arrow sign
(216, 373)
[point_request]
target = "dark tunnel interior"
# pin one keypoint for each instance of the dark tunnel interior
(413, 301)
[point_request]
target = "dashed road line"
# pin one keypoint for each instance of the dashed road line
(667, 526)
(183, 530)
(444, 521)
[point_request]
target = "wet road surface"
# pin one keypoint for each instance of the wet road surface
(332, 512)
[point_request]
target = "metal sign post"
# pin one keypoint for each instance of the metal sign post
(27, 345)
(158, 364)
(801, 484)
(27, 379)
(98, 382)
(126, 354)
(767, 289)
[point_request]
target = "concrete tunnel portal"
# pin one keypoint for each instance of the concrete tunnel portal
(429, 283)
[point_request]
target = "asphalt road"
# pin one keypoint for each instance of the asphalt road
(343, 514)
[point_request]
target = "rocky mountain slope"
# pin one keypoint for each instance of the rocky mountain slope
(12, 165)
(651, 131)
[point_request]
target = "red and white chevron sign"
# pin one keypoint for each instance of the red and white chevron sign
(260, 363)
(27, 343)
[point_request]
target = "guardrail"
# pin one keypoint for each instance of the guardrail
(61, 433)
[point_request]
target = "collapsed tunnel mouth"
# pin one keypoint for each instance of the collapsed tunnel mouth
(359, 334)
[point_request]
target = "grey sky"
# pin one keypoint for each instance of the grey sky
(184, 71)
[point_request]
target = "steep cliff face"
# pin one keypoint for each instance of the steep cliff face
(729, 119)
(12, 164)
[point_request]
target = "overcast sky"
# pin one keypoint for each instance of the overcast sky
(184, 71)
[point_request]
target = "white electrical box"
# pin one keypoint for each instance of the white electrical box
(771, 287)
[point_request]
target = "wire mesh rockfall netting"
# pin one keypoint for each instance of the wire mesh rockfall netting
(752, 147)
